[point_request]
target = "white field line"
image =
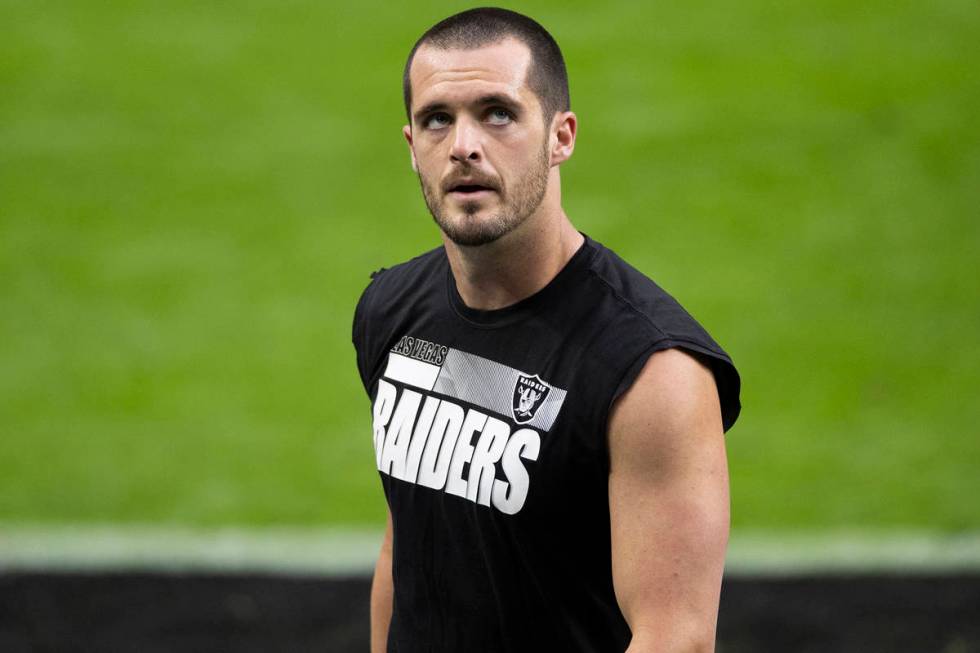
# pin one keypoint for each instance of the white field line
(822, 552)
(156, 548)
(338, 551)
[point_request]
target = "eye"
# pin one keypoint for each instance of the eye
(436, 121)
(500, 116)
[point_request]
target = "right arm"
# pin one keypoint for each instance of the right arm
(381, 595)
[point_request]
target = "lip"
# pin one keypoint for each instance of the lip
(471, 195)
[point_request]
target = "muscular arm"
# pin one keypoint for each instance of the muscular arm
(381, 595)
(668, 503)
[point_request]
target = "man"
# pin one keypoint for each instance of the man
(548, 423)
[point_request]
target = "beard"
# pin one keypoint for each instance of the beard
(464, 227)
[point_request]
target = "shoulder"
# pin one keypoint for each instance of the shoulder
(390, 298)
(643, 300)
(416, 274)
(673, 392)
(396, 289)
(649, 320)
(668, 419)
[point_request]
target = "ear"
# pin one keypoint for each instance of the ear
(564, 127)
(407, 132)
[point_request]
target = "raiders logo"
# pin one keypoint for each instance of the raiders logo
(529, 395)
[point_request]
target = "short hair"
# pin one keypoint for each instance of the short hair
(474, 28)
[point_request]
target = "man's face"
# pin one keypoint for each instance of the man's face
(479, 143)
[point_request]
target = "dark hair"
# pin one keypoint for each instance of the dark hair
(474, 28)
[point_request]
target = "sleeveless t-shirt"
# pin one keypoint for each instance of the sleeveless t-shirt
(489, 431)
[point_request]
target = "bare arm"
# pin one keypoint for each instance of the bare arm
(381, 595)
(669, 505)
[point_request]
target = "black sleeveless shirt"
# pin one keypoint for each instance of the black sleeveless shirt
(489, 430)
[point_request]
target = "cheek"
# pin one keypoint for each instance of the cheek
(521, 163)
(433, 160)
(426, 167)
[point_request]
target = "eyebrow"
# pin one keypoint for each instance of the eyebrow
(484, 100)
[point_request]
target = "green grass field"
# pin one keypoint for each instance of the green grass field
(192, 196)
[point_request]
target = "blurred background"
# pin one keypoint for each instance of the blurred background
(192, 197)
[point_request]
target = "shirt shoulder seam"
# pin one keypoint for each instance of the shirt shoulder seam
(646, 317)
(630, 305)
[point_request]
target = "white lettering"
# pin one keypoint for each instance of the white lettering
(489, 448)
(384, 404)
(399, 434)
(418, 439)
(526, 444)
(432, 444)
(439, 446)
(464, 452)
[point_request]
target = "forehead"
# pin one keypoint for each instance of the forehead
(455, 74)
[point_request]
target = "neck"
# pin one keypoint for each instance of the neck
(517, 265)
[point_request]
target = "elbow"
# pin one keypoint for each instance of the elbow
(700, 645)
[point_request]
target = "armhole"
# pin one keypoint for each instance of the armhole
(726, 376)
(359, 332)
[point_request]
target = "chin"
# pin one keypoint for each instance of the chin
(475, 230)
(472, 239)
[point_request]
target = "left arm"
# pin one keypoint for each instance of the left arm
(669, 505)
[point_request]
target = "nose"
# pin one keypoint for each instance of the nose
(466, 147)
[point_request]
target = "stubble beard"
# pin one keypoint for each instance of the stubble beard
(518, 203)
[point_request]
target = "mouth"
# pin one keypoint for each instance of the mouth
(469, 191)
